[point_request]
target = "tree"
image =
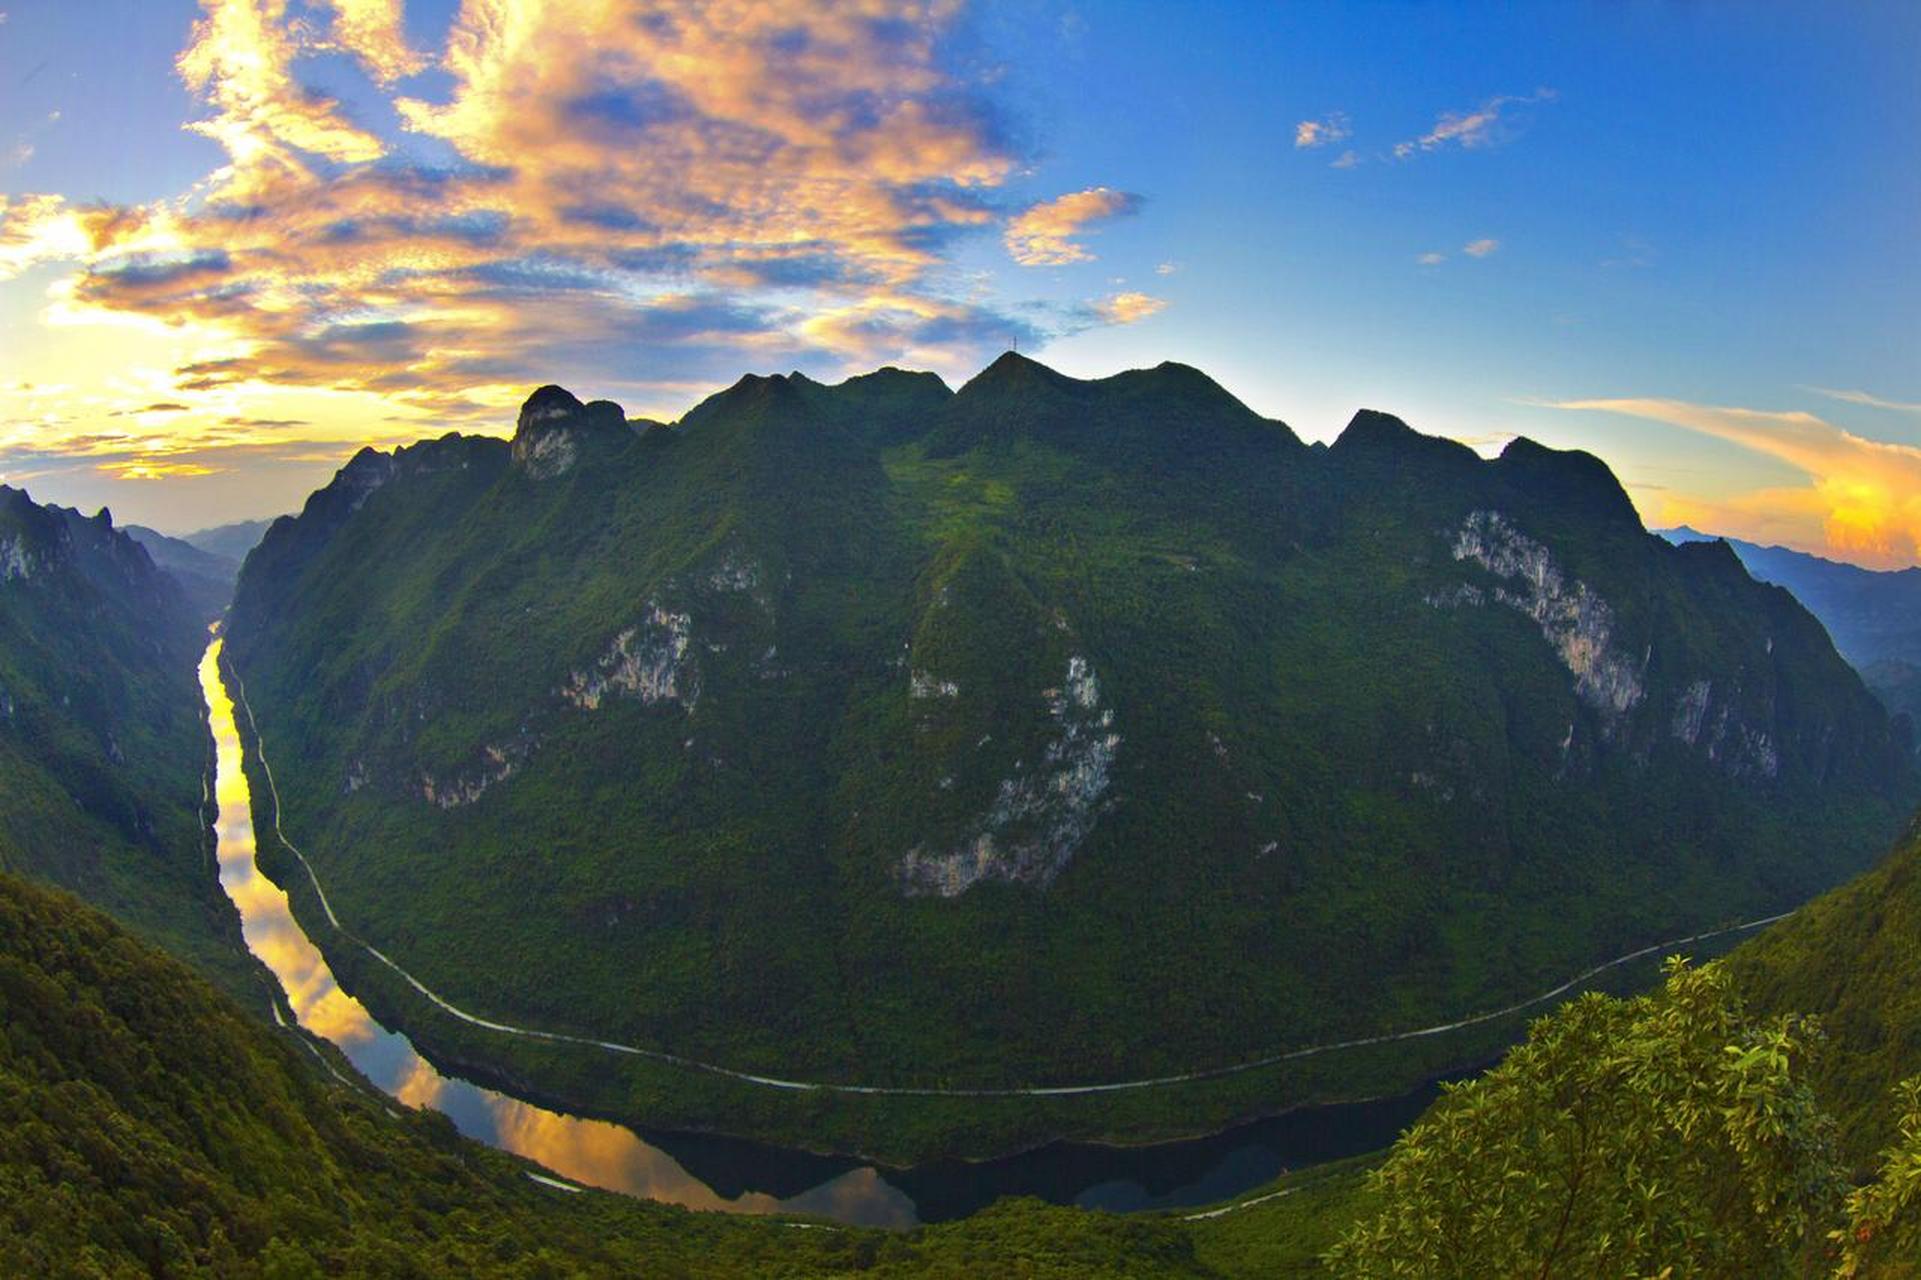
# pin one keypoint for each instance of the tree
(1882, 1237)
(1668, 1134)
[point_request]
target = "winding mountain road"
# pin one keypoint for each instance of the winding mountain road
(907, 1091)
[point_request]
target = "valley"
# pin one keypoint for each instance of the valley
(730, 620)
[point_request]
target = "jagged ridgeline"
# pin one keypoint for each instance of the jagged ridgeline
(1047, 732)
(104, 751)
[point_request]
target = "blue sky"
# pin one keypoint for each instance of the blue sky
(1695, 222)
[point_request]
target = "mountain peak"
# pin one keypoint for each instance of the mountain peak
(1370, 428)
(1571, 478)
(547, 404)
(1014, 373)
(554, 423)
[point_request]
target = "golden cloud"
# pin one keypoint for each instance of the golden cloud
(1043, 235)
(1863, 499)
(651, 195)
(373, 32)
(1126, 308)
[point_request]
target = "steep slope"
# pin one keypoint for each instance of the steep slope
(103, 749)
(1873, 615)
(206, 578)
(1046, 733)
(1850, 958)
(152, 1128)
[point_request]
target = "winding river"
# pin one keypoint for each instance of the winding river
(745, 1177)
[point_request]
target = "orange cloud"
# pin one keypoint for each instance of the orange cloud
(1043, 236)
(640, 207)
(1862, 501)
(239, 60)
(1126, 308)
(373, 32)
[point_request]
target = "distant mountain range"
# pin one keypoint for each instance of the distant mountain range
(1874, 616)
(1044, 733)
(228, 541)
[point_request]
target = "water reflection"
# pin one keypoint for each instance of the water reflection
(745, 1177)
(587, 1151)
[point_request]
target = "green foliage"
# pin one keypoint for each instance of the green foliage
(1668, 1134)
(1882, 1236)
(1345, 799)
(104, 751)
(149, 1127)
(1851, 959)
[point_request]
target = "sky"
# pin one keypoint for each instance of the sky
(241, 238)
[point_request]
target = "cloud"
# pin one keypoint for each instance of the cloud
(1043, 235)
(1431, 259)
(1126, 308)
(1478, 128)
(373, 32)
(239, 59)
(573, 195)
(1862, 500)
(1330, 128)
(1167, 268)
(1863, 398)
(1346, 160)
(1480, 248)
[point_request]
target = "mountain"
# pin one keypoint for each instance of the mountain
(1041, 734)
(1849, 958)
(104, 750)
(1873, 615)
(229, 541)
(206, 578)
(149, 1127)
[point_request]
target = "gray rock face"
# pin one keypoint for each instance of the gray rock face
(651, 661)
(1039, 819)
(554, 425)
(1573, 618)
(16, 560)
(496, 764)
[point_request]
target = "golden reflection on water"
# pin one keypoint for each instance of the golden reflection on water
(588, 1151)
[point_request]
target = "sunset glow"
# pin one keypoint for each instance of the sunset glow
(241, 238)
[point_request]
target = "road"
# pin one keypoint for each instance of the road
(909, 1091)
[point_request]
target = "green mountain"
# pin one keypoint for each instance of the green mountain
(1873, 615)
(104, 750)
(206, 578)
(1852, 959)
(149, 1127)
(1042, 734)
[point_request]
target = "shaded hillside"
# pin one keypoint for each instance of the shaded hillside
(1851, 958)
(1045, 733)
(1874, 616)
(149, 1127)
(206, 578)
(104, 751)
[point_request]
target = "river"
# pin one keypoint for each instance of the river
(738, 1176)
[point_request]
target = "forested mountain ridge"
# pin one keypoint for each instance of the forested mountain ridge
(104, 750)
(1047, 732)
(1874, 615)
